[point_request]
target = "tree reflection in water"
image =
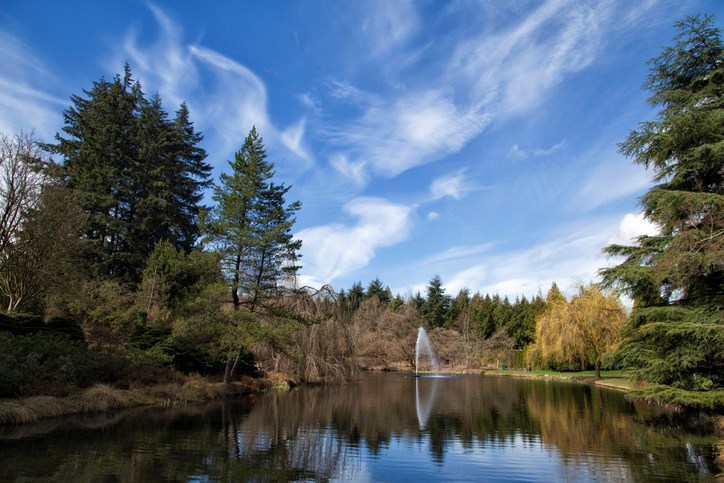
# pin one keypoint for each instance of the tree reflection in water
(453, 428)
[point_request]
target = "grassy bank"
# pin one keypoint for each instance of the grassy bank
(622, 381)
(612, 379)
(103, 398)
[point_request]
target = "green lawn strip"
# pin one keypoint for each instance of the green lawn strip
(611, 379)
(621, 380)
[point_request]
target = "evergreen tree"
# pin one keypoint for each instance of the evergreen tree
(138, 176)
(377, 289)
(396, 303)
(417, 301)
(459, 304)
(99, 155)
(501, 313)
(251, 226)
(481, 310)
(675, 334)
(437, 304)
(517, 328)
(187, 180)
(356, 295)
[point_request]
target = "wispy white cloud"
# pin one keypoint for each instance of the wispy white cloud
(344, 91)
(352, 170)
(226, 98)
(519, 63)
(388, 25)
(414, 129)
(333, 250)
(493, 73)
(454, 185)
(25, 103)
(517, 153)
(614, 178)
(572, 254)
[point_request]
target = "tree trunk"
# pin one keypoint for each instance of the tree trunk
(235, 283)
(598, 368)
(228, 371)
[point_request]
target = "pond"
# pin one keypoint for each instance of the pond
(388, 427)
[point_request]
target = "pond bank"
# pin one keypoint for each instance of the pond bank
(104, 398)
(618, 380)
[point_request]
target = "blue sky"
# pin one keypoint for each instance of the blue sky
(475, 140)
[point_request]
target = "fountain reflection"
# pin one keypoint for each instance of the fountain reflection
(425, 395)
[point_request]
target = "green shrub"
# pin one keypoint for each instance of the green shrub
(44, 363)
(21, 324)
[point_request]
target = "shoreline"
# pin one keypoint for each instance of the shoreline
(617, 381)
(103, 398)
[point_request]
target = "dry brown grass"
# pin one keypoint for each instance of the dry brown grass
(28, 410)
(102, 397)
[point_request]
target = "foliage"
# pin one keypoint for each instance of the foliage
(251, 229)
(44, 363)
(577, 334)
(676, 278)
(137, 175)
(28, 324)
(39, 224)
(497, 349)
(684, 347)
(21, 159)
(251, 226)
(437, 304)
(663, 394)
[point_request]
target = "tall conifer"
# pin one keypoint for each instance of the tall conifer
(675, 335)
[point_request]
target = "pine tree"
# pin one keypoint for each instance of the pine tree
(99, 155)
(458, 305)
(437, 304)
(675, 334)
(356, 295)
(251, 226)
(377, 289)
(137, 175)
(187, 180)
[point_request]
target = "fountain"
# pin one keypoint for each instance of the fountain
(423, 346)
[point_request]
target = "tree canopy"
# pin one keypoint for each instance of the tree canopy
(675, 334)
(138, 175)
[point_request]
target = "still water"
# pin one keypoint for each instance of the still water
(388, 427)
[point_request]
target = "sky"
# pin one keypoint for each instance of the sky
(472, 140)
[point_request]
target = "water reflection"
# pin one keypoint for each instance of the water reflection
(425, 398)
(389, 427)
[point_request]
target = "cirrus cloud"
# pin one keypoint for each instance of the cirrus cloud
(333, 250)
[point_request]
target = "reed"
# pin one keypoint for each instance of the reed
(28, 410)
(103, 397)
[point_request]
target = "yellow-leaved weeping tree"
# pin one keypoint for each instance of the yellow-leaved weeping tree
(577, 334)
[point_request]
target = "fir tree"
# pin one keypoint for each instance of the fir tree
(251, 226)
(675, 334)
(437, 304)
(138, 176)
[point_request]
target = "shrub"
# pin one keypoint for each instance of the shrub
(44, 363)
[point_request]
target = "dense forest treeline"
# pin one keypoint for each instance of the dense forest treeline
(112, 270)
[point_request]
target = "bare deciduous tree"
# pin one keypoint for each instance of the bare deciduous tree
(39, 224)
(21, 179)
